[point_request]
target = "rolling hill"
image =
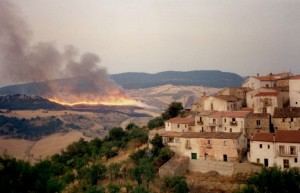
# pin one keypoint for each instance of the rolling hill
(134, 80)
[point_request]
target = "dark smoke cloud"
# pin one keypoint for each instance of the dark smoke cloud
(23, 62)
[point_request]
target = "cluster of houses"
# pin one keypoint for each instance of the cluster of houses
(258, 122)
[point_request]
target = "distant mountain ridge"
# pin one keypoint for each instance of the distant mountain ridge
(136, 80)
(206, 78)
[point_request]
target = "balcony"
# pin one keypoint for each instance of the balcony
(233, 123)
(287, 154)
(200, 122)
(258, 127)
(208, 146)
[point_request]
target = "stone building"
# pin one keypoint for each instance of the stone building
(180, 124)
(266, 102)
(286, 118)
(294, 91)
(218, 146)
(258, 123)
(222, 103)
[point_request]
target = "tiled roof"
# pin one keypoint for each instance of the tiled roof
(180, 120)
(288, 136)
(205, 113)
(228, 98)
(289, 112)
(206, 135)
(265, 78)
(232, 114)
(296, 77)
(267, 94)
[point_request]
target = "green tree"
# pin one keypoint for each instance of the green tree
(176, 184)
(113, 188)
(157, 144)
(273, 180)
(174, 109)
(131, 126)
(140, 189)
(116, 133)
(155, 123)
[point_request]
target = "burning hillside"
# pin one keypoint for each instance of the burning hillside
(22, 61)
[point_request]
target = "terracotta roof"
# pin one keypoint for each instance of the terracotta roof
(206, 135)
(289, 112)
(205, 113)
(232, 114)
(265, 78)
(288, 136)
(268, 137)
(296, 77)
(267, 94)
(180, 120)
(228, 98)
(247, 109)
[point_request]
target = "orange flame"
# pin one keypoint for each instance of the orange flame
(120, 101)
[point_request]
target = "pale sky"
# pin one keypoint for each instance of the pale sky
(240, 36)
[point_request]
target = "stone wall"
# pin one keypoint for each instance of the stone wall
(177, 166)
(203, 166)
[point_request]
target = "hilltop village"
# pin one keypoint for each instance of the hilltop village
(258, 123)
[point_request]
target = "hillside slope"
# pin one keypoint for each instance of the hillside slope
(206, 78)
(133, 80)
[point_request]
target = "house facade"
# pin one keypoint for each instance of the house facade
(294, 91)
(217, 146)
(266, 102)
(280, 149)
(256, 82)
(258, 123)
(222, 103)
(180, 124)
(286, 118)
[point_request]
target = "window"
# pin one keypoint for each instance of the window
(266, 162)
(281, 149)
(225, 128)
(170, 140)
(292, 119)
(187, 144)
(202, 129)
(286, 163)
(233, 119)
(268, 146)
(283, 120)
(293, 150)
(200, 119)
(224, 143)
(258, 122)
(295, 160)
(194, 155)
(260, 146)
(224, 120)
(258, 160)
(208, 141)
(230, 130)
(178, 125)
(225, 158)
(296, 103)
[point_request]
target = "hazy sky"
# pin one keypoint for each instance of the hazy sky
(241, 36)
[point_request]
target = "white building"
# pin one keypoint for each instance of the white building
(180, 124)
(280, 149)
(294, 92)
(222, 103)
(255, 82)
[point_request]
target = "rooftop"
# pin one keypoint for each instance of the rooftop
(296, 77)
(231, 114)
(267, 94)
(258, 115)
(288, 112)
(181, 120)
(286, 136)
(265, 78)
(228, 98)
(206, 135)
